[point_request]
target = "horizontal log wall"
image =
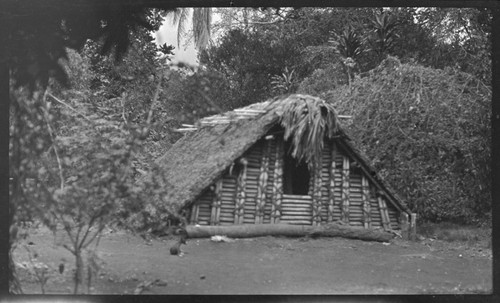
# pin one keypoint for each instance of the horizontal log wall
(254, 157)
(376, 217)
(270, 181)
(228, 198)
(204, 207)
(394, 216)
(357, 206)
(355, 199)
(326, 209)
(296, 209)
(358, 203)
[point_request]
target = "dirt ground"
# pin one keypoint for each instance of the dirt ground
(265, 265)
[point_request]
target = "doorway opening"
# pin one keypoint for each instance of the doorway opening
(296, 174)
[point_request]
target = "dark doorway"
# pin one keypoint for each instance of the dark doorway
(295, 174)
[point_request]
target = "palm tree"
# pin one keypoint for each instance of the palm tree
(384, 28)
(202, 19)
(349, 46)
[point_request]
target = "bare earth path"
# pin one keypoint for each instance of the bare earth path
(271, 266)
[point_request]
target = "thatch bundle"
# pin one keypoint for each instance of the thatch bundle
(307, 122)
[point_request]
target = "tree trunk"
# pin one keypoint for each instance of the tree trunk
(261, 230)
(78, 278)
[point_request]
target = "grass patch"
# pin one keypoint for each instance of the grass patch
(451, 232)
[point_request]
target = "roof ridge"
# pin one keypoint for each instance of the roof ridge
(247, 112)
(250, 111)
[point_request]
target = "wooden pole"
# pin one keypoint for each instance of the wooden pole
(261, 189)
(331, 188)
(239, 210)
(413, 227)
(384, 213)
(277, 183)
(345, 189)
(216, 204)
(194, 214)
(316, 198)
(366, 201)
(404, 225)
(218, 194)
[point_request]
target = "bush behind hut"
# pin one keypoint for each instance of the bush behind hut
(427, 132)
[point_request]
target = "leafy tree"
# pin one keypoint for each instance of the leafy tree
(74, 167)
(37, 34)
(429, 36)
(463, 36)
(199, 94)
(255, 47)
(36, 40)
(253, 51)
(250, 78)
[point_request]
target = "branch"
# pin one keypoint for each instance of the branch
(264, 22)
(239, 23)
(72, 251)
(69, 106)
(79, 232)
(93, 237)
(87, 232)
(464, 24)
(66, 225)
(123, 110)
(46, 118)
(155, 99)
(99, 235)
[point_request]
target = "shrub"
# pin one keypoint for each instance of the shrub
(427, 132)
(323, 80)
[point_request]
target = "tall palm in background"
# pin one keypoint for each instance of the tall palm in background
(349, 45)
(201, 20)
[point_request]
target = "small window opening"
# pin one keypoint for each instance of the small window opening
(295, 174)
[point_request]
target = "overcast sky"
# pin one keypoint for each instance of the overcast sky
(168, 34)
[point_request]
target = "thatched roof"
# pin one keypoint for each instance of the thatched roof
(214, 143)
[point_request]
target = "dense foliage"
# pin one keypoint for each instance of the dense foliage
(36, 34)
(253, 48)
(74, 152)
(427, 132)
(74, 165)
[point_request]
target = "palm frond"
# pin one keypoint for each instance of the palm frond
(202, 19)
(307, 122)
(180, 18)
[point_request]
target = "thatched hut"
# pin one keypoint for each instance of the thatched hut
(286, 160)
